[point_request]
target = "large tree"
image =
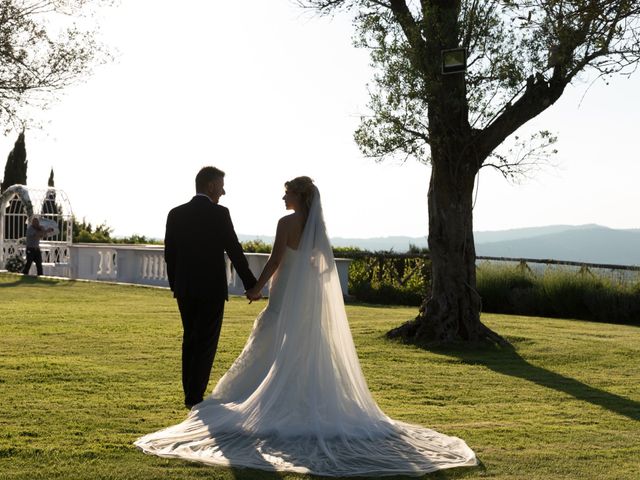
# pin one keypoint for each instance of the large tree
(45, 45)
(521, 57)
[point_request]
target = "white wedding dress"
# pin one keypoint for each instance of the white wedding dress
(296, 399)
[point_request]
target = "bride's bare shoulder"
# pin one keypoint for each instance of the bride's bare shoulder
(291, 219)
(292, 222)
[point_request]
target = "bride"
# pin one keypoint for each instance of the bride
(296, 399)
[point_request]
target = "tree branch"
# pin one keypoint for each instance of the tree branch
(411, 30)
(539, 95)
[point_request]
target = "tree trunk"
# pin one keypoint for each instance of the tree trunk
(452, 313)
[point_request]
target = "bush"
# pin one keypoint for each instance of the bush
(558, 293)
(493, 282)
(259, 246)
(15, 264)
(256, 246)
(84, 232)
(349, 252)
(386, 278)
(137, 239)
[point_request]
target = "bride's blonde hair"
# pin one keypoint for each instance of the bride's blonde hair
(303, 186)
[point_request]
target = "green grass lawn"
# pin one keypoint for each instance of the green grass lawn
(86, 368)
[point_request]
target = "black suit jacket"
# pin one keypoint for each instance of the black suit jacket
(197, 235)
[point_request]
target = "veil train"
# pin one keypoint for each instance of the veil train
(296, 399)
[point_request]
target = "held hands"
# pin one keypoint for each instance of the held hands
(253, 294)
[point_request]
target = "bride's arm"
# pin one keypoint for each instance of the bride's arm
(277, 252)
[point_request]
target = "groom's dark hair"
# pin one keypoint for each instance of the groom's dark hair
(206, 175)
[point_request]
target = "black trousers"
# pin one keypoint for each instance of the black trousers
(201, 322)
(33, 255)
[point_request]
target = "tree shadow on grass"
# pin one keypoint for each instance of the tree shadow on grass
(22, 280)
(507, 361)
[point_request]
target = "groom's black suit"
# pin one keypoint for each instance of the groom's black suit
(197, 235)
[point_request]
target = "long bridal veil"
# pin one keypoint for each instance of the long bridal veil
(296, 399)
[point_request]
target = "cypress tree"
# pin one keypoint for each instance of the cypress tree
(50, 208)
(49, 205)
(15, 170)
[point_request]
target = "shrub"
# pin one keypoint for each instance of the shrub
(259, 246)
(84, 232)
(256, 246)
(349, 252)
(385, 278)
(558, 293)
(15, 263)
(492, 283)
(389, 279)
(137, 239)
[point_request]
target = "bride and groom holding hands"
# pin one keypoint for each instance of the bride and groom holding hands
(295, 399)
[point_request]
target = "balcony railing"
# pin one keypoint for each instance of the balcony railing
(144, 265)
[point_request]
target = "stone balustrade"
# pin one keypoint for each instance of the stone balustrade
(144, 265)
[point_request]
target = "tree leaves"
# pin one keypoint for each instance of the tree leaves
(43, 48)
(510, 44)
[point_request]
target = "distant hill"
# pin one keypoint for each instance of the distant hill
(592, 244)
(528, 232)
(397, 244)
(580, 243)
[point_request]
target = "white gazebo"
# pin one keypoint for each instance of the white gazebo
(18, 205)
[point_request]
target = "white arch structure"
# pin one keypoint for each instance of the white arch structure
(18, 204)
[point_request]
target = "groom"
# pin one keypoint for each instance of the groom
(197, 235)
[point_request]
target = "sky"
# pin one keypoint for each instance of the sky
(267, 92)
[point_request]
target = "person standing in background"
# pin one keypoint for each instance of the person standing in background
(35, 233)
